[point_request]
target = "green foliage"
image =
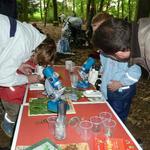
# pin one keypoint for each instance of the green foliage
(66, 7)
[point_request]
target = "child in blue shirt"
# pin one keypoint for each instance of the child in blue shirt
(119, 84)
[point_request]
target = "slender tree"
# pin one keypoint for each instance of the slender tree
(143, 9)
(82, 8)
(129, 10)
(88, 8)
(46, 6)
(91, 12)
(55, 14)
(118, 9)
(122, 6)
(41, 11)
(25, 5)
(101, 5)
(73, 6)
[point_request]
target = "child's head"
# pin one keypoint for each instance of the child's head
(45, 53)
(99, 18)
(113, 37)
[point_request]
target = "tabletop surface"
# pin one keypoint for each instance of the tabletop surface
(32, 129)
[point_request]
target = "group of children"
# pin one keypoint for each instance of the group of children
(21, 42)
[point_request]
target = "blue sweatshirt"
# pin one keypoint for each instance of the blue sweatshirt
(119, 71)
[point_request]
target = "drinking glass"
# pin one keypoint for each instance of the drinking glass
(109, 126)
(105, 115)
(51, 123)
(85, 127)
(97, 123)
(74, 80)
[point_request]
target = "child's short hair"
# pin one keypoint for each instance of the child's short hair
(112, 36)
(100, 17)
(46, 52)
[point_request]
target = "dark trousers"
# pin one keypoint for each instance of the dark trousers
(121, 101)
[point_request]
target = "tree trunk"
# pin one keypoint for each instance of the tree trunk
(82, 9)
(88, 8)
(46, 6)
(143, 9)
(122, 6)
(129, 10)
(55, 22)
(73, 7)
(24, 16)
(118, 9)
(91, 13)
(41, 11)
(101, 5)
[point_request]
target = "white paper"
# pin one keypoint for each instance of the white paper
(36, 86)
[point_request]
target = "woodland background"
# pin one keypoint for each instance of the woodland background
(49, 10)
(45, 14)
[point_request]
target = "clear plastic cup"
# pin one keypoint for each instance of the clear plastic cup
(51, 123)
(74, 80)
(85, 127)
(109, 126)
(74, 121)
(69, 65)
(105, 115)
(97, 123)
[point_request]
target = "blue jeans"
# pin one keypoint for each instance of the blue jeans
(121, 101)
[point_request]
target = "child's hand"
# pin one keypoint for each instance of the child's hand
(34, 78)
(114, 85)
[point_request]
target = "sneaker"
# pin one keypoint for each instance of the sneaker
(8, 128)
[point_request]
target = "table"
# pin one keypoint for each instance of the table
(29, 131)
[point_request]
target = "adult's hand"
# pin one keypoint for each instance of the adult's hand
(114, 85)
(26, 69)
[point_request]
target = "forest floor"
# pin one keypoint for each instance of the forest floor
(138, 121)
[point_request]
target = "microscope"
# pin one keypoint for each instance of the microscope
(84, 73)
(53, 88)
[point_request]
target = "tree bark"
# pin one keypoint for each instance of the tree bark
(25, 10)
(143, 9)
(73, 5)
(122, 6)
(101, 5)
(82, 9)
(55, 22)
(129, 10)
(41, 12)
(118, 9)
(88, 9)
